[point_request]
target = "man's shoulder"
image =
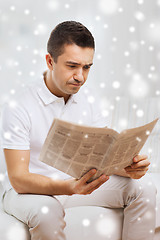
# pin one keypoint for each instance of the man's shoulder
(25, 94)
(23, 100)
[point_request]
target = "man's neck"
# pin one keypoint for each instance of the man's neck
(48, 81)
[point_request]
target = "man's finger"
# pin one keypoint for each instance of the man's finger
(96, 183)
(87, 176)
(137, 175)
(143, 163)
(139, 158)
(97, 186)
(136, 170)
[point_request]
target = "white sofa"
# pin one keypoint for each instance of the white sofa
(99, 223)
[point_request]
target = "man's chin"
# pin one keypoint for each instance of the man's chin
(74, 90)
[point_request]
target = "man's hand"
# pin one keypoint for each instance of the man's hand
(82, 187)
(139, 167)
(25, 182)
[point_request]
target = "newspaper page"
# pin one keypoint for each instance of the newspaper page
(127, 145)
(75, 149)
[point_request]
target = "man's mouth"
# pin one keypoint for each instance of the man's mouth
(75, 84)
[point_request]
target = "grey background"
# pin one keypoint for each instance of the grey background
(127, 35)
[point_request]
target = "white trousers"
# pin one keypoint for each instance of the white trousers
(44, 214)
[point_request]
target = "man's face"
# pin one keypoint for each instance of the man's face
(70, 71)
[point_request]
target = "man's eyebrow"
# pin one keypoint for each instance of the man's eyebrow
(78, 64)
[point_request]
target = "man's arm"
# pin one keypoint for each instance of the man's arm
(25, 182)
(138, 168)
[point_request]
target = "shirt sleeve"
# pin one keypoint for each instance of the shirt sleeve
(15, 127)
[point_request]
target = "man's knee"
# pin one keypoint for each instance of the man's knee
(47, 221)
(142, 188)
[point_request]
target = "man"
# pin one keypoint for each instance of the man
(34, 185)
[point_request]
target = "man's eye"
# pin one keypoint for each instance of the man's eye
(72, 66)
(86, 67)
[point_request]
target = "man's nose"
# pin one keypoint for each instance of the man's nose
(78, 76)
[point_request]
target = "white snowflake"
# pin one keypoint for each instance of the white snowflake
(16, 230)
(41, 29)
(134, 46)
(132, 29)
(108, 7)
(67, 5)
(105, 113)
(53, 5)
(34, 61)
(150, 150)
(138, 139)
(80, 122)
(139, 113)
(157, 92)
(99, 56)
(123, 123)
(19, 48)
(32, 73)
(134, 106)
(2, 176)
(91, 99)
(153, 31)
(55, 176)
(102, 85)
(106, 226)
(86, 222)
(98, 18)
(139, 16)
(148, 214)
(7, 135)
(116, 84)
(84, 113)
(126, 53)
(12, 91)
(26, 11)
(19, 73)
(112, 107)
(120, 9)
(105, 25)
(12, 8)
(138, 87)
(35, 52)
(142, 42)
(140, 2)
(44, 209)
(117, 98)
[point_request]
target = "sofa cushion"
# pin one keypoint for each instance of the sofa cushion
(82, 223)
(156, 180)
(91, 222)
(87, 222)
(12, 229)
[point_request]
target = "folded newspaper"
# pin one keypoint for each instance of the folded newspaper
(75, 149)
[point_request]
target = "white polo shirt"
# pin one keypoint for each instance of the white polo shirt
(26, 121)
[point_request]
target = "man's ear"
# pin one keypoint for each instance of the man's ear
(49, 61)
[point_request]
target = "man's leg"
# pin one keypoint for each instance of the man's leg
(137, 197)
(44, 215)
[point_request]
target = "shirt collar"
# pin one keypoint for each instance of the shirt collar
(47, 97)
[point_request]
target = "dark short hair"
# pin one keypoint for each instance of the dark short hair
(68, 32)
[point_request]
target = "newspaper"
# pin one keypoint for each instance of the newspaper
(75, 149)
